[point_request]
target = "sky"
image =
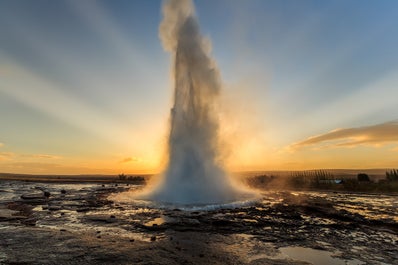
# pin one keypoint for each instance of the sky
(85, 86)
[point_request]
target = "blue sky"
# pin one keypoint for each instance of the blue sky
(86, 84)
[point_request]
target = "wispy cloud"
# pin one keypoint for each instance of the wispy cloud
(350, 137)
(6, 155)
(10, 155)
(42, 156)
(130, 159)
(50, 168)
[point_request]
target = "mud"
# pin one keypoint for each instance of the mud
(53, 223)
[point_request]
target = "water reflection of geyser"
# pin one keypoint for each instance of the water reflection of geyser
(193, 174)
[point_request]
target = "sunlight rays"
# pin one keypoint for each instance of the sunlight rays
(95, 73)
(52, 100)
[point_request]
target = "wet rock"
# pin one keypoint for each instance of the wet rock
(22, 208)
(9, 215)
(100, 218)
(82, 209)
(222, 222)
(32, 196)
(54, 208)
(190, 221)
(29, 222)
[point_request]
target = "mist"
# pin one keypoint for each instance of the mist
(194, 172)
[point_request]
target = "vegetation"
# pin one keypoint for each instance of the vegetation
(311, 178)
(124, 177)
(363, 177)
(324, 180)
(392, 175)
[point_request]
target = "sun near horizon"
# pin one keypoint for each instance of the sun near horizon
(85, 87)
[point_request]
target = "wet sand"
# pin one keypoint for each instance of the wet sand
(77, 223)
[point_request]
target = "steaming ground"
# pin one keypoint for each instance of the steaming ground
(194, 174)
(141, 199)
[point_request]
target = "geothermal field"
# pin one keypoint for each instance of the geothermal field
(195, 211)
(78, 223)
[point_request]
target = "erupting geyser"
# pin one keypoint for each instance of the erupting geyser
(193, 174)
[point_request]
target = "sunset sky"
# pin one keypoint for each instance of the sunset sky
(85, 86)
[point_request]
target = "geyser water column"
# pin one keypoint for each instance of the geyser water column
(193, 174)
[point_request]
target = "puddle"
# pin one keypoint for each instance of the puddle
(158, 221)
(315, 256)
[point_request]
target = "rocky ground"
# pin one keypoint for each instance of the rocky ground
(55, 223)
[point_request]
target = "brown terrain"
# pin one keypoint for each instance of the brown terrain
(50, 221)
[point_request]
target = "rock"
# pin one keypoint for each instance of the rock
(32, 196)
(190, 221)
(8, 215)
(100, 218)
(47, 194)
(222, 222)
(22, 208)
(63, 191)
(82, 209)
(29, 221)
(54, 207)
(153, 238)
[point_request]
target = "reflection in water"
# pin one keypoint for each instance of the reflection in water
(315, 256)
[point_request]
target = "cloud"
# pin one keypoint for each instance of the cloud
(10, 155)
(1, 144)
(351, 137)
(6, 155)
(130, 159)
(44, 156)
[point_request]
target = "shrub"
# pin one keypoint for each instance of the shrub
(363, 177)
(392, 175)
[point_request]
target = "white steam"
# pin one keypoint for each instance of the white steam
(193, 174)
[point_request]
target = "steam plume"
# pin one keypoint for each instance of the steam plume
(193, 174)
